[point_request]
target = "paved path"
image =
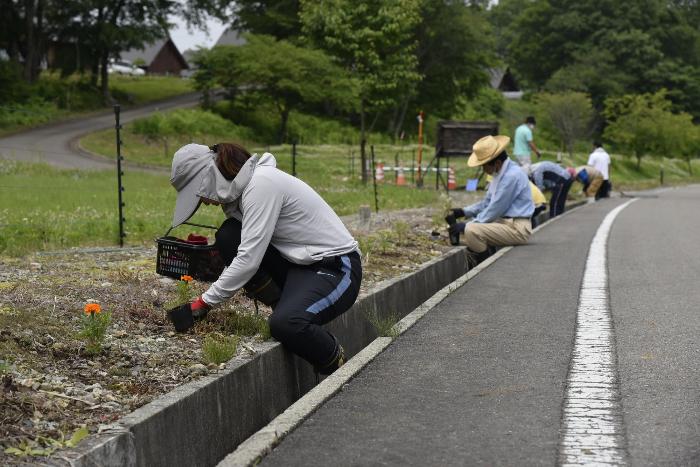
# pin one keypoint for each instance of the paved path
(482, 379)
(56, 144)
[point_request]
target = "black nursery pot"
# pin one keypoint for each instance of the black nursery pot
(182, 318)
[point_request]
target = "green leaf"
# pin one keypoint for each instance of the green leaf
(16, 452)
(78, 436)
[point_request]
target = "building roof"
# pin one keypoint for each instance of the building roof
(231, 36)
(503, 80)
(149, 52)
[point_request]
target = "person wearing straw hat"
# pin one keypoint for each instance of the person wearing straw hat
(279, 233)
(503, 217)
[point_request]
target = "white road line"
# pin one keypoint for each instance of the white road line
(592, 428)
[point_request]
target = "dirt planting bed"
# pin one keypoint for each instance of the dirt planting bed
(53, 388)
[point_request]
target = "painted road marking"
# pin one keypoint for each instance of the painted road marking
(592, 428)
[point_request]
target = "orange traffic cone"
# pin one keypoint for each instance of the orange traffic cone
(400, 177)
(451, 182)
(379, 172)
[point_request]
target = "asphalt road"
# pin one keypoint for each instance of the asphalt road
(654, 272)
(56, 144)
(481, 379)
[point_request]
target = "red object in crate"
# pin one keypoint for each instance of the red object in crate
(197, 239)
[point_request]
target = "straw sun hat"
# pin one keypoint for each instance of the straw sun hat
(486, 149)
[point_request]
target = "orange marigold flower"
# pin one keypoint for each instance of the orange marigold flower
(92, 308)
(186, 278)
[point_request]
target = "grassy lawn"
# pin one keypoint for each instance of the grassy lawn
(79, 208)
(144, 89)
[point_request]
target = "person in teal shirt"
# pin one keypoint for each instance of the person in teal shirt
(523, 143)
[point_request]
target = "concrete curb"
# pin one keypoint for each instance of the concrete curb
(252, 450)
(200, 422)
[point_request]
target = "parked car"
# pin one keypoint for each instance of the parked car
(123, 67)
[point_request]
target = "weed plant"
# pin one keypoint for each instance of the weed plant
(247, 324)
(401, 229)
(218, 348)
(384, 326)
(44, 446)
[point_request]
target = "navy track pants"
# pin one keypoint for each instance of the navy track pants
(312, 295)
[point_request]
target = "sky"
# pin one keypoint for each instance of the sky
(185, 39)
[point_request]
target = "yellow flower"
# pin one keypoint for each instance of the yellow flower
(186, 278)
(91, 308)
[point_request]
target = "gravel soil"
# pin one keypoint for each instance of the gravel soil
(52, 386)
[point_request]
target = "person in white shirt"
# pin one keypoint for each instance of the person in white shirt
(279, 233)
(600, 159)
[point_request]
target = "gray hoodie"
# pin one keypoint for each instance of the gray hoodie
(275, 208)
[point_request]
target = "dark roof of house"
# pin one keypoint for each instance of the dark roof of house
(231, 36)
(149, 52)
(503, 80)
(496, 76)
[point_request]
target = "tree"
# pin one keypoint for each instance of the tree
(288, 75)
(579, 42)
(278, 18)
(105, 27)
(569, 114)
(454, 50)
(635, 123)
(681, 138)
(373, 40)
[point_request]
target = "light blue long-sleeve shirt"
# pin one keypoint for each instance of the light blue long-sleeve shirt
(538, 170)
(508, 196)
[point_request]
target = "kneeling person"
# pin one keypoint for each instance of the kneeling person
(279, 234)
(502, 218)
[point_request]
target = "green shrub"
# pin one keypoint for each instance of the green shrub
(13, 88)
(151, 127)
(264, 121)
(32, 112)
(191, 122)
(310, 129)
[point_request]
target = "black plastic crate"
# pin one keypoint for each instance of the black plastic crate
(177, 258)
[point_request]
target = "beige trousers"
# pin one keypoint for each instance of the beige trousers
(594, 186)
(501, 232)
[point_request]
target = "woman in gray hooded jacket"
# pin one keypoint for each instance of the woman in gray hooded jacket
(278, 231)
